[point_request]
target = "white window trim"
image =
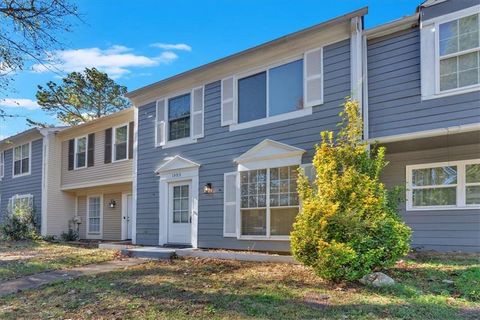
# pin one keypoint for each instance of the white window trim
(114, 142)
(16, 197)
(75, 153)
(461, 186)
(307, 110)
(29, 161)
(267, 209)
(182, 141)
(89, 234)
(2, 165)
(434, 25)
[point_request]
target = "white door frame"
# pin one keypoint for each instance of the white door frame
(124, 214)
(94, 236)
(177, 169)
(171, 185)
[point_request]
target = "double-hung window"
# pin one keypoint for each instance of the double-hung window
(81, 152)
(21, 160)
(179, 117)
(268, 202)
(272, 92)
(444, 185)
(459, 53)
(20, 201)
(120, 146)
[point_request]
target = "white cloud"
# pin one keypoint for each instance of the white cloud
(166, 57)
(172, 46)
(115, 60)
(19, 103)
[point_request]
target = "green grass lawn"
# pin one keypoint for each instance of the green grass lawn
(28, 257)
(214, 289)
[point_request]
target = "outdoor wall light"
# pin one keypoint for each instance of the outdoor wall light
(208, 188)
(112, 203)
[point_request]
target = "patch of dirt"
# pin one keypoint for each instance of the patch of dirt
(316, 300)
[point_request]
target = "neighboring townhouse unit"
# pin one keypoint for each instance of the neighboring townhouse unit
(92, 188)
(424, 106)
(218, 147)
(23, 171)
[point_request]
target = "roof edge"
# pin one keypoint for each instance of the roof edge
(403, 23)
(360, 12)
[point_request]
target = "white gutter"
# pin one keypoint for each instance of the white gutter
(392, 27)
(427, 134)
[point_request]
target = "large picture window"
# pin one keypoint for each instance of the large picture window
(21, 160)
(120, 147)
(179, 117)
(451, 185)
(459, 53)
(269, 201)
(275, 91)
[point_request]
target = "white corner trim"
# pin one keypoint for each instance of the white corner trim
(427, 133)
(45, 173)
(460, 186)
(365, 115)
(135, 171)
(356, 58)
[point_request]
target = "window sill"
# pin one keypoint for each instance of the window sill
(121, 160)
(20, 175)
(452, 92)
(281, 117)
(264, 238)
(176, 143)
(443, 208)
(79, 168)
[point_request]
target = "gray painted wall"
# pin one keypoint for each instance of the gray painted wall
(394, 102)
(443, 230)
(31, 184)
(447, 7)
(217, 150)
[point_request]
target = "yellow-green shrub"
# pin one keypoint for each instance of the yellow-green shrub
(348, 225)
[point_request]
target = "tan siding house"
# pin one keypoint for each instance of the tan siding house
(92, 184)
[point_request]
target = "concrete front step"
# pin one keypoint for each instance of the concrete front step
(150, 252)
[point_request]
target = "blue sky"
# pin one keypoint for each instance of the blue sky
(141, 42)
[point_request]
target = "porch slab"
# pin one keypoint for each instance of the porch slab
(169, 253)
(150, 252)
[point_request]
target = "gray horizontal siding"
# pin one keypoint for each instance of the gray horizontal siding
(394, 91)
(217, 150)
(31, 184)
(443, 230)
(447, 7)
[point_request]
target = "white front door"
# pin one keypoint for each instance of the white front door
(127, 217)
(180, 213)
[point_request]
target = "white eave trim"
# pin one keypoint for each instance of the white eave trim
(427, 133)
(176, 163)
(254, 154)
(392, 27)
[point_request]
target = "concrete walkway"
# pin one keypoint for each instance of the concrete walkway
(40, 279)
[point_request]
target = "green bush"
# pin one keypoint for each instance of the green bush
(19, 224)
(348, 225)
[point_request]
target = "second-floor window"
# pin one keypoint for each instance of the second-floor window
(459, 53)
(179, 117)
(21, 160)
(120, 147)
(272, 92)
(80, 152)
